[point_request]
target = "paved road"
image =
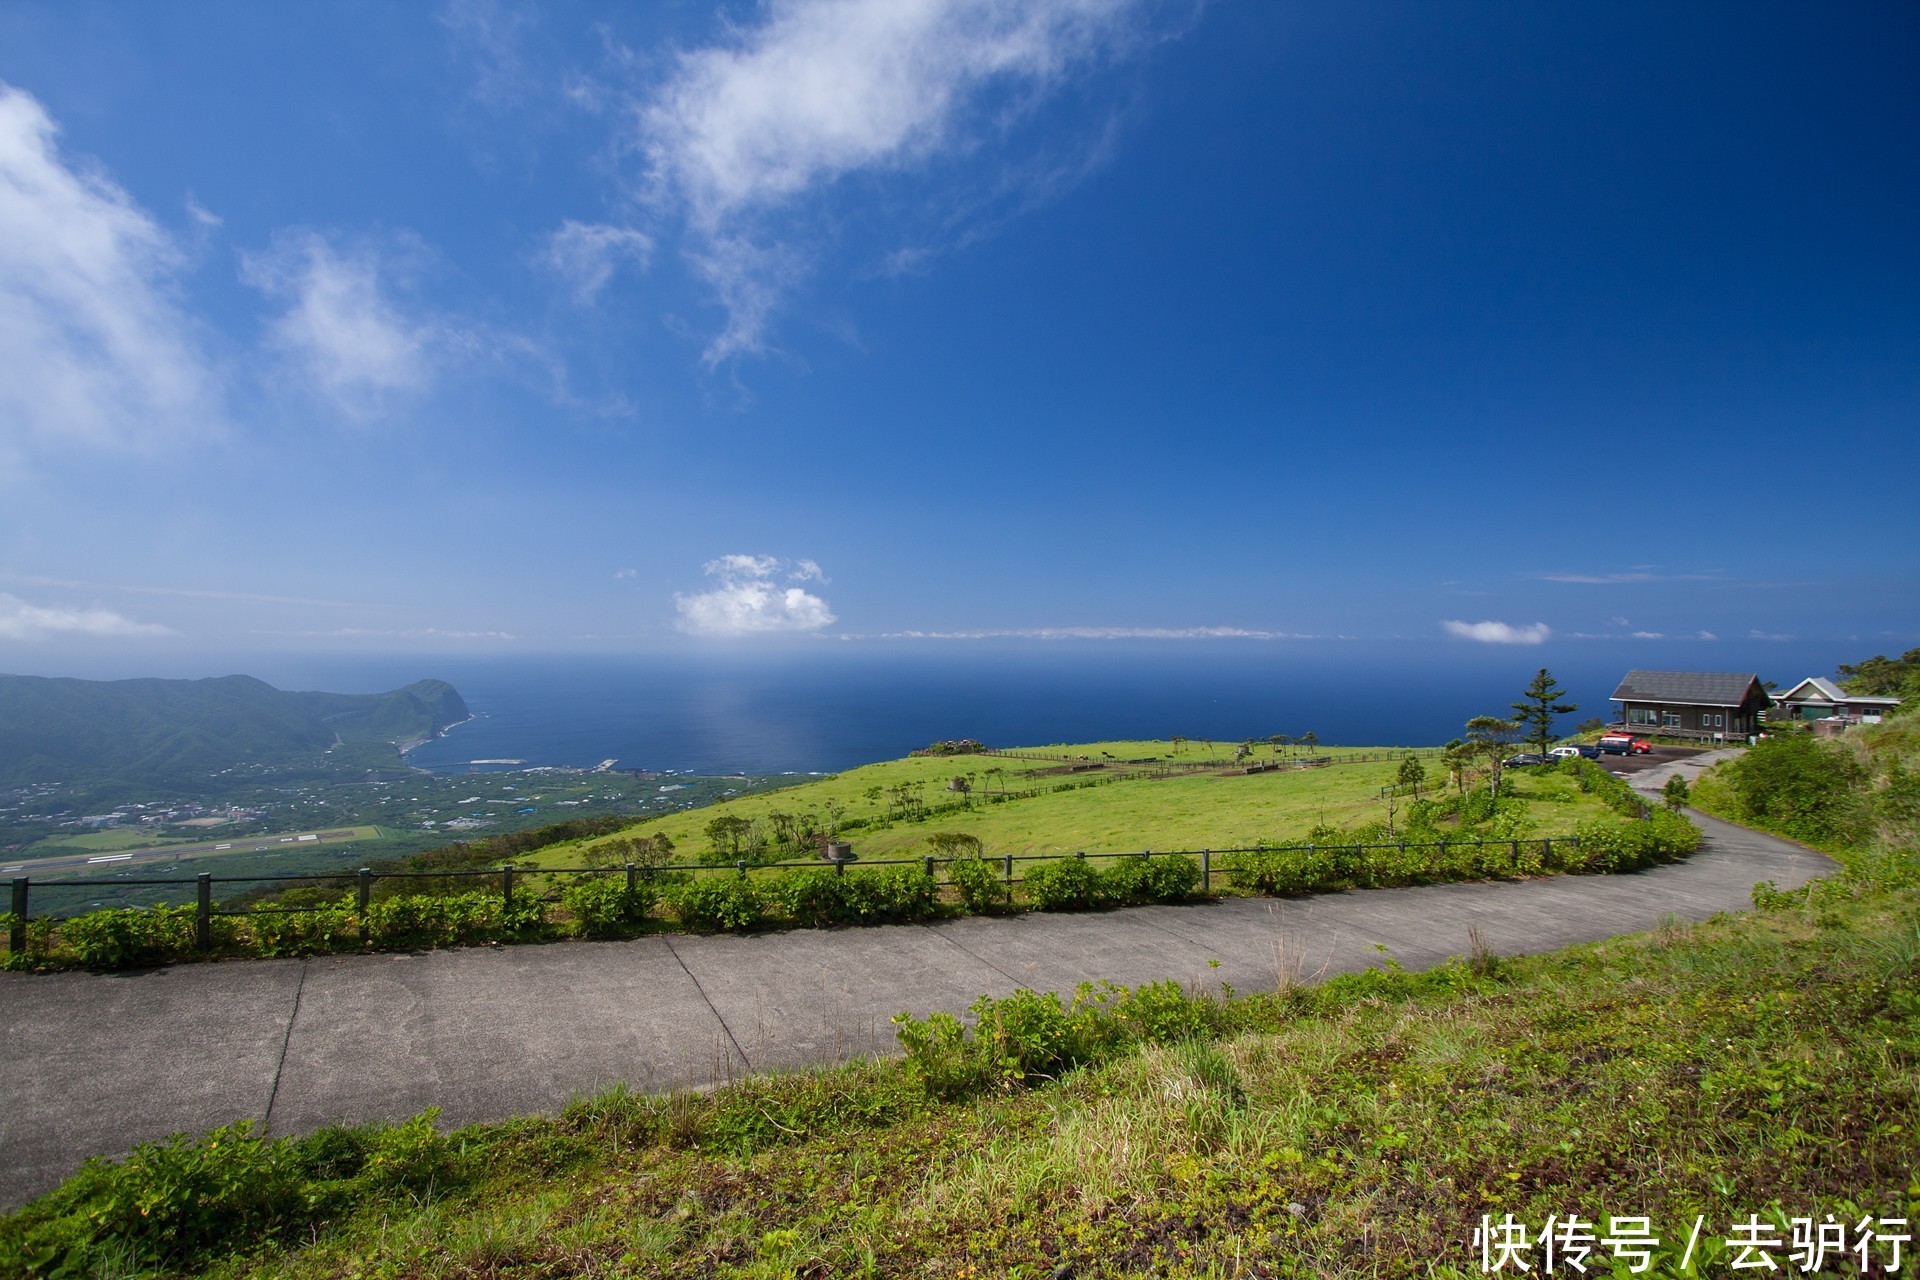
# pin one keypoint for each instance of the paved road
(94, 1063)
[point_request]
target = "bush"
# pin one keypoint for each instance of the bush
(811, 898)
(296, 933)
(1799, 787)
(718, 902)
(1165, 878)
(131, 937)
(981, 888)
(1071, 884)
(459, 919)
(607, 908)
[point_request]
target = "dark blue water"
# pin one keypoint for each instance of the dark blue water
(832, 706)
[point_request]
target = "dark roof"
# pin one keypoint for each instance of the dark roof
(1696, 688)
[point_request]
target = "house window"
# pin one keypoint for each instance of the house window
(1641, 715)
(1717, 721)
(1671, 720)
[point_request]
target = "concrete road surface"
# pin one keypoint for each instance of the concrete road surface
(91, 1064)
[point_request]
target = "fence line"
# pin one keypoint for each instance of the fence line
(363, 880)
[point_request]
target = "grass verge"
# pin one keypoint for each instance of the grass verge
(1764, 1066)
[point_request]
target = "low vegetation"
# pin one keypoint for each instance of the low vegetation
(1766, 1065)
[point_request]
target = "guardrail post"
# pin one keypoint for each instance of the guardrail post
(203, 911)
(929, 862)
(363, 899)
(17, 935)
(1081, 854)
(1009, 864)
(633, 878)
(1206, 871)
(506, 884)
(1546, 851)
(741, 867)
(1516, 853)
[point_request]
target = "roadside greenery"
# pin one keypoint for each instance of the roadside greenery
(1762, 1064)
(1462, 835)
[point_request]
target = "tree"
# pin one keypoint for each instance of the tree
(1538, 706)
(1492, 737)
(726, 833)
(1592, 724)
(954, 844)
(1457, 755)
(1884, 677)
(1675, 791)
(1412, 775)
(1311, 741)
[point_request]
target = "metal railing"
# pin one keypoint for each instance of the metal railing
(511, 878)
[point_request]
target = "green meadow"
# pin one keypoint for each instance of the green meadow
(1029, 803)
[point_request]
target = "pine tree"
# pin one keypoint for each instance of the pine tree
(1537, 708)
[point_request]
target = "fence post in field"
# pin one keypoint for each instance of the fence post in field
(363, 898)
(1516, 853)
(1009, 863)
(929, 865)
(741, 867)
(17, 935)
(1206, 871)
(506, 884)
(633, 878)
(1546, 851)
(203, 911)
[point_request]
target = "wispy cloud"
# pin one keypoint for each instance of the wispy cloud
(585, 255)
(1093, 633)
(196, 593)
(1639, 573)
(20, 620)
(1498, 632)
(754, 595)
(776, 113)
(407, 633)
(342, 327)
(1767, 635)
(96, 352)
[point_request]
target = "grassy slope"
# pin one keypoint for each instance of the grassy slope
(1752, 1063)
(1196, 812)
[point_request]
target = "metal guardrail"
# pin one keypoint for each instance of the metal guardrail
(510, 876)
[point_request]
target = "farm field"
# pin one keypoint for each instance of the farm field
(1112, 809)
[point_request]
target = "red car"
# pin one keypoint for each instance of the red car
(1621, 744)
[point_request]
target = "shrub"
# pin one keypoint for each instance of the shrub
(718, 902)
(130, 937)
(898, 894)
(444, 920)
(1166, 878)
(607, 908)
(810, 898)
(295, 933)
(1799, 787)
(1071, 884)
(981, 888)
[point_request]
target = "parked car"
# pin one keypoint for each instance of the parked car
(1589, 750)
(1623, 744)
(1523, 759)
(1566, 753)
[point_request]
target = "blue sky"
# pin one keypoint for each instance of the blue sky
(494, 328)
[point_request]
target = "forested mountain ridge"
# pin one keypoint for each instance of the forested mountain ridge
(171, 733)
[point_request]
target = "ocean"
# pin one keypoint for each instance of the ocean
(827, 707)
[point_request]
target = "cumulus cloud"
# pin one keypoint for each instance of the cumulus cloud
(753, 595)
(96, 351)
(1498, 632)
(585, 255)
(823, 89)
(341, 326)
(22, 621)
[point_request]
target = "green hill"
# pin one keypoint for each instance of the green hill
(171, 733)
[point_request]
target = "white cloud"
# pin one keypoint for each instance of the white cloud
(823, 89)
(1706, 635)
(341, 325)
(1649, 635)
(623, 574)
(749, 598)
(1498, 632)
(95, 350)
(585, 255)
(1639, 573)
(22, 621)
(1767, 635)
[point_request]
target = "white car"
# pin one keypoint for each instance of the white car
(1564, 753)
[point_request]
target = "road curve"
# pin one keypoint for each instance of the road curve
(91, 1063)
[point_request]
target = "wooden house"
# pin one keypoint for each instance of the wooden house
(1828, 706)
(1709, 705)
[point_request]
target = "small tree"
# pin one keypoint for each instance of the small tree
(1538, 706)
(1675, 792)
(1311, 741)
(1491, 738)
(727, 833)
(954, 844)
(1412, 775)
